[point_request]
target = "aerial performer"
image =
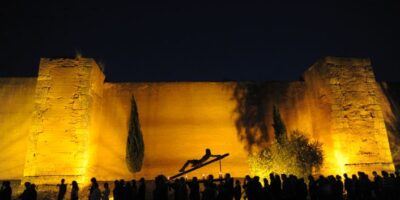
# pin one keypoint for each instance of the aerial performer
(196, 163)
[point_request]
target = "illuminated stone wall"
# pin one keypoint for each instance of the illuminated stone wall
(337, 104)
(350, 121)
(69, 123)
(389, 99)
(16, 107)
(178, 121)
(60, 136)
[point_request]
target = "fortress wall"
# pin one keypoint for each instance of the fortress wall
(95, 113)
(258, 105)
(178, 120)
(16, 98)
(318, 94)
(293, 106)
(358, 136)
(79, 125)
(304, 106)
(296, 109)
(59, 141)
(388, 96)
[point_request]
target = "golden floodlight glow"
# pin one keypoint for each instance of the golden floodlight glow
(340, 162)
(69, 123)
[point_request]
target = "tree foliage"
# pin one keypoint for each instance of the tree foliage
(296, 155)
(135, 143)
(279, 126)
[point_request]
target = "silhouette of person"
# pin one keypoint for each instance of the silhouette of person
(196, 163)
(5, 191)
(194, 189)
(377, 185)
(237, 190)
(128, 194)
(134, 189)
(117, 190)
(312, 187)
(266, 189)
(62, 189)
(106, 193)
(175, 187)
(33, 192)
(302, 191)
(27, 193)
(95, 193)
(220, 191)
(161, 190)
(210, 189)
(246, 184)
(183, 191)
(228, 186)
(257, 188)
(141, 193)
(74, 191)
(348, 186)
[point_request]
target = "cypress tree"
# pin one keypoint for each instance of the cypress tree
(279, 126)
(135, 143)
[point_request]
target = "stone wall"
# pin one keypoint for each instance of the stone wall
(79, 124)
(59, 140)
(345, 90)
(389, 99)
(178, 120)
(16, 99)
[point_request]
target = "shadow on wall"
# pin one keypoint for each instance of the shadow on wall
(255, 101)
(392, 119)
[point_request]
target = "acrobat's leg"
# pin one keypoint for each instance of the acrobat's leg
(186, 164)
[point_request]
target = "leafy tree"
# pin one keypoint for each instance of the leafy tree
(295, 154)
(135, 143)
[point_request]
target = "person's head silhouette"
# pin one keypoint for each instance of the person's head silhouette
(208, 151)
(75, 185)
(27, 185)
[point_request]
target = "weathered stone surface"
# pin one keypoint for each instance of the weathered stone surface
(178, 121)
(356, 138)
(16, 107)
(62, 122)
(389, 99)
(79, 124)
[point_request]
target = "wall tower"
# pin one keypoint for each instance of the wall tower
(63, 122)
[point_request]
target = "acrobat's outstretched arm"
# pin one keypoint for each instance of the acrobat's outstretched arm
(215, 156)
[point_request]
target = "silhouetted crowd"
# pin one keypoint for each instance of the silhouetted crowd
(5, 190)
(283, 187)
(129, 190)
(29, 193)
(278, 187)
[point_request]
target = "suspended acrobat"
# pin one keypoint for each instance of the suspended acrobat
(196, 163)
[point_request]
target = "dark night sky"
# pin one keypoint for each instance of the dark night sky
(200, 42)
